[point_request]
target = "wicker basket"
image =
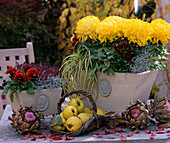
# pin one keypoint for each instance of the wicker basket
(92, 123)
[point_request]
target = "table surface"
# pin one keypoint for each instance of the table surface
(8, 134)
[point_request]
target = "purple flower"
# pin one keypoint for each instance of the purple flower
(135, 113)
(29, 116)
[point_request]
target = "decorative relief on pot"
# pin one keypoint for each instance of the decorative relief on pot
(104, 87)
(42, 102)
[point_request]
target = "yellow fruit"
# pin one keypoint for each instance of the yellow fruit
(69, 111)
(63, 119)
(59, 127)
(84, 117)
(100, 112)
(87, 110)
(76, 102)
(73, 124)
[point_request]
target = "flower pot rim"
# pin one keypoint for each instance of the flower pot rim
(141, 73)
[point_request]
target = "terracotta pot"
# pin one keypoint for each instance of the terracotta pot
(45, 101)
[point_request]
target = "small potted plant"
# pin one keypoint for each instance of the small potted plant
(33, 84)
(117, 57)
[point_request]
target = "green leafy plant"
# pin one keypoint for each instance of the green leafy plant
(112, 45)
(31, 77)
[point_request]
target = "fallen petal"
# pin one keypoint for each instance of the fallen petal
(57, 138)
(131, 134)
(148, 131)
(152, 136)
(33, 138)
(96, 136)
(38, 133)
(123, 138)
(160, 132)
(47, 127)
(111, 137)
(26, 137)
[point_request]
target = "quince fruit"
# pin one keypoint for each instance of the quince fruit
(100, 112)
(59, 127)
(87, 110)
(84, 117)
(73, 124)
(63, 119)
(69, 111)
(76, 102)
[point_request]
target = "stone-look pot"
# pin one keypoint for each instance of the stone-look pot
(45, 101)
(117, 91)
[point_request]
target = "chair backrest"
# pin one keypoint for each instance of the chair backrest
(9, 57)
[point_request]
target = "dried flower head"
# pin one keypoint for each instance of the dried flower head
(29, 116)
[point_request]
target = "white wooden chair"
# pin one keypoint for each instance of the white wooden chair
(9, 57)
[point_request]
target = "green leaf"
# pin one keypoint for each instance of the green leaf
(30, 91)
(6, 90)
(11, 96)
(107, 63)
(57, 120)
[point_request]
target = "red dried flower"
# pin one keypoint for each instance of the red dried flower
(26, 68)
(11, 71)
(75, 43)
(20, 76)
(32, 74)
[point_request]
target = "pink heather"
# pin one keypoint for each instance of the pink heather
(135, 112)
(29, 116)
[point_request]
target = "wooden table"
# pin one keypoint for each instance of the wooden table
(8, 134)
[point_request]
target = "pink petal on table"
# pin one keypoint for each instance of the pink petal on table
(123, 138)
(57, 138)
(110, 137)
(148, 131)
(137, 131)
(168, 131)
(96, 133)
(47, 127)
(44, 139)
(26, 137)
(160, 132)
(160, 128)
(96, 136)
(68, 138)
(38, 133)
(103, 134)
(33, 138)
(152, 136)
(131, 134)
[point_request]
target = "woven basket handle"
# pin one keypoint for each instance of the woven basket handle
(62, 99)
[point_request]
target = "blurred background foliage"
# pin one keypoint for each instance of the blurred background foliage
(50, 24)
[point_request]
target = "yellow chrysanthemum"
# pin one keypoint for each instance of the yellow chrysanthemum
(86, 27)
(137, 31)
(161, 31)
(110, 28)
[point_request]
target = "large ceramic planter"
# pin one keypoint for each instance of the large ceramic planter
(117, 91)
(45, 101)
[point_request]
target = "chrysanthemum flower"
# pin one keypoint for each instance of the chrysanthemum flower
(137, 31)
(32, 74)
(11, 71)
(20, 76)
(86, 27)
(161, 31)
